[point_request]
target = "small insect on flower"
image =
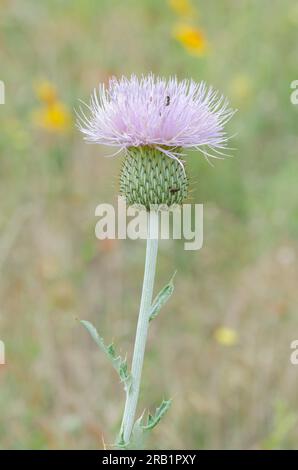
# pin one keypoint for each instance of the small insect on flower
(153, 119)
(174, 190)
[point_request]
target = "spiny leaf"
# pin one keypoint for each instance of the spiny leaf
(162, 298)
(120, 443)
(137, 439)
(138, 434)
(119, 364)
(159, 413)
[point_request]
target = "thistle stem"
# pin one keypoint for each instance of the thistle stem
(142, 328)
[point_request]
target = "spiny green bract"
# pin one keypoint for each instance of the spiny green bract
(149, 177)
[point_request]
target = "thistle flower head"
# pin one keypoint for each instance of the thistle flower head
(152, 111)
(160, 118)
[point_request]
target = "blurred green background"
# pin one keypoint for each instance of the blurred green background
(221, 347)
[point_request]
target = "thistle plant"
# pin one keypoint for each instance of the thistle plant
(152, 121)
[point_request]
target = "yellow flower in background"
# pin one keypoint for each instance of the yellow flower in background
(182, 7)
(53, 115)
(241, 87)
(46, 92)
(193, 39)
(226, 336)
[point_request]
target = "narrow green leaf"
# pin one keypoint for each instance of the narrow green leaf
(162, 298)
(119, 364)
(152, 421)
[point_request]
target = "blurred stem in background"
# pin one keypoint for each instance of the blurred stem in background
(142, 328)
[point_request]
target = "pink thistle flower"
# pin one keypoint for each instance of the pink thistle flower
(165, 114)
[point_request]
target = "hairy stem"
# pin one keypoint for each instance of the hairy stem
(142, 328)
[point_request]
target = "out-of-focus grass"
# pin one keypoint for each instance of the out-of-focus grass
(57, 390)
